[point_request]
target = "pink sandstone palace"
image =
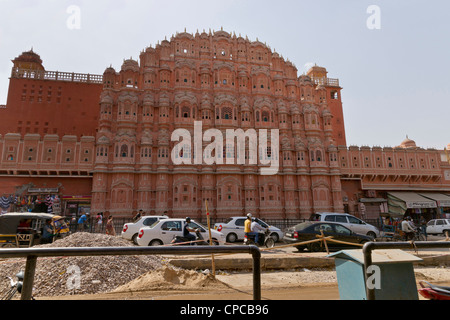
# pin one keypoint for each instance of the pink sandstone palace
(102, 143)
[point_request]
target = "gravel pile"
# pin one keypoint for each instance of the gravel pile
(81, 275)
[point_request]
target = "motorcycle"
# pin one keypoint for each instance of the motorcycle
(434, 292)
(15, 287)
(264, 239)
(182, 241)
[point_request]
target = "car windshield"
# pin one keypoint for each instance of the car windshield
(195, 225)
(302, 226)
(153, 224)
(262, 223)
(354, 220)
(149, 221)
(228, 220)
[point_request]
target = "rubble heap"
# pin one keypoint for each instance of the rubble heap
(59, 276)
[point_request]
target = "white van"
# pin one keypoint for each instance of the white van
(351, 222)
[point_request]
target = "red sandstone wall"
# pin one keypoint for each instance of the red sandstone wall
(51, 107)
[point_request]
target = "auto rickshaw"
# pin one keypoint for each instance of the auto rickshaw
(27, 229)
(60, 228)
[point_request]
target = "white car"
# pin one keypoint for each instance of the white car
(438, 226)
(349, 221)
(162, 232)
(130, 230)
(233, 229)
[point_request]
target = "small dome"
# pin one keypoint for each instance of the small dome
(29, 60)
(448, 147)
(29, 56)
(130, 65)
(408, 143)
(110, 70)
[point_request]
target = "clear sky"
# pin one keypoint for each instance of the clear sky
(395, 77)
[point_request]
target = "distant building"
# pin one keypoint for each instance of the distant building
(103, 142)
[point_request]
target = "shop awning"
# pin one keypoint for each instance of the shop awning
(441, 199)
(411, 200)
(374, 200)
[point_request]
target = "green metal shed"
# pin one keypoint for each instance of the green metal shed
(393, 275)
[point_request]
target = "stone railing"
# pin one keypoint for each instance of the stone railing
(326, 82)
(56, 76)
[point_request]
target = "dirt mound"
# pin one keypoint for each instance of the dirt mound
(82, 275)
(172, 278)
(88, 240)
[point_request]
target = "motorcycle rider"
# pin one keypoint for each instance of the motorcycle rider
(248, 225)
(187, 231)
(407, 229)
(256, 227)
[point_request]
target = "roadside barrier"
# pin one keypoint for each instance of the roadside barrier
(33, 254)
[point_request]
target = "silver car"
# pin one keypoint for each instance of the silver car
(351, 222)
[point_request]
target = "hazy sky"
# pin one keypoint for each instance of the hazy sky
(395, 78)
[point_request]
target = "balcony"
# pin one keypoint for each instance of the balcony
(328, 82)
(19, 73)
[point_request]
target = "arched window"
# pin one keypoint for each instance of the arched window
(319, 155)
(186, 112)
(124, 151)
(265, 116)
(227, 113)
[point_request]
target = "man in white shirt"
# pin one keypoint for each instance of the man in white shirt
(407, 228)
(256, 227)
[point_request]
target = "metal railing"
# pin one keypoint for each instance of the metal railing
(371, 246)
(32, 254)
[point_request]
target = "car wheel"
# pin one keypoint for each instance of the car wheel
(134, 239)
(421, 237)
(275, 237)
(315, 247)
(300, 248)
(232, 237)
(270, 243)
(155, 243)
(372, 234)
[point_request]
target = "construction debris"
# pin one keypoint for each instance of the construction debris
(82, 275)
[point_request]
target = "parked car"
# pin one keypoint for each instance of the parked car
(130, 230)
(233, 229)
(309, 230)
(163, 232)
(438, 226)
(349, 221)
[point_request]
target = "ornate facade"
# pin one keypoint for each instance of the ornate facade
(122, 151)
(226, 82)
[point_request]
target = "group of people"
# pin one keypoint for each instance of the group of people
(83, 223)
